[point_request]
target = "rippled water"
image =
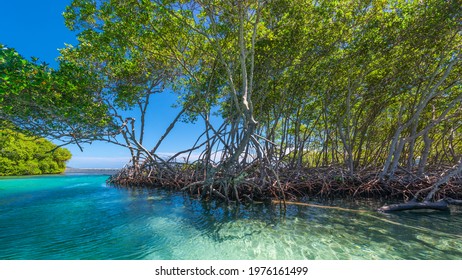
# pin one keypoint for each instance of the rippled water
(79, 217)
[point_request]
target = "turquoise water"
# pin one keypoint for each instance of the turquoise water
(79, 217)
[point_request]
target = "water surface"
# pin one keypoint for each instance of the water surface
(79, 217)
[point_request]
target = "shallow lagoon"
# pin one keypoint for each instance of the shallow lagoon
(79, 217)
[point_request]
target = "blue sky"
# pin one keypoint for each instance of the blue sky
(36, 28)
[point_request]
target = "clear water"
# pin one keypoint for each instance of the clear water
(79, 217)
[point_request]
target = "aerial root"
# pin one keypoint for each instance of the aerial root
(257, 183)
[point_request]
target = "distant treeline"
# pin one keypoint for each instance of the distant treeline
(26, 155)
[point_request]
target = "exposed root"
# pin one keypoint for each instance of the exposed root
(254, 182)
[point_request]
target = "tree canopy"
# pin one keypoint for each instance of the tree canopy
(57, 104)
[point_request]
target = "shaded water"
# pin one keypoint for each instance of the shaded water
(79, 217)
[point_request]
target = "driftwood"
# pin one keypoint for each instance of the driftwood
(441, 205)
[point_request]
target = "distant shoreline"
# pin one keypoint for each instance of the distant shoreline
(101, 171)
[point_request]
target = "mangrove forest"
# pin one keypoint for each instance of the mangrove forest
(294, 98)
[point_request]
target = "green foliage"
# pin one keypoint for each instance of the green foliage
(58, 104)
(356, 73)
(26, 155)
(335, 80)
